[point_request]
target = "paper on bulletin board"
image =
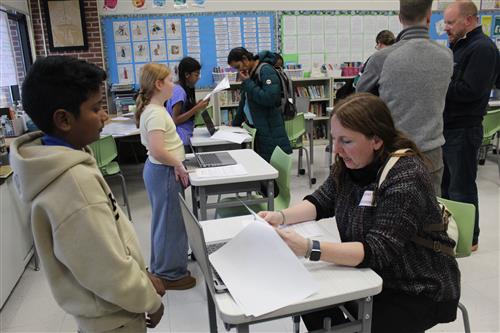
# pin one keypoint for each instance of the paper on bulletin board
(317, 25)
(356, 24)
(304, 25)
(290, 44)
(290, 25)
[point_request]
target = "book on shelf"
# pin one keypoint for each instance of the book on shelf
(313, 91)
(229, 97)
(227, 115)
(318, 109)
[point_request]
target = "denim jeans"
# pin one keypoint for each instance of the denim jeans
(169, 244)
(460, 167)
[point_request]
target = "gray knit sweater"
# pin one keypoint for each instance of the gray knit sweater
(412, 77)
(404, 203)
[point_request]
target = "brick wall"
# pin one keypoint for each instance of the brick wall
(93, 54)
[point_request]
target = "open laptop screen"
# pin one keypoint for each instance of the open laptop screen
(208, 122)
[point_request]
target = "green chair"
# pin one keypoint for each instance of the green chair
(464, 214)
(105, 152)
(252, 131)
(282, 162)
(491, 129)
(295, 129)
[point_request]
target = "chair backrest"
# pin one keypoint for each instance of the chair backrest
(295, 128)
(464, 214)
(104, 150)
(198, 119)
(282, 162)
(252, 131)
(491, 124)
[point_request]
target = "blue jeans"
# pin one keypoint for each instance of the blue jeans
(169, 245)
(460, 167)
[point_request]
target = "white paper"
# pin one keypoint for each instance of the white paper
(382, 22)
(290, 44)
(304, 44)
(216, 231)
(230, 136)
(305, 61)
(290, 25)
(303, 25)
(318, 43)
(331, 43)
(344, 25)
(223, 171)
(317, 25)
(223, 85)
(120, 128)
(356, 45)
(394, 24)
(260, 282)
(370, 24)
(331, 25)
(344, 44)
(356, 24)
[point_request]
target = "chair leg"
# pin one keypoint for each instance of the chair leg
(498, 152)
(125, 195)
(465, 316)
(299, 164)
(36, 259)
(296, 324)
(308, 167)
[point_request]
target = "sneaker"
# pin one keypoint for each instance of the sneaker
(184, 283)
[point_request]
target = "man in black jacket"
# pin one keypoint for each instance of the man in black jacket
(476, 68)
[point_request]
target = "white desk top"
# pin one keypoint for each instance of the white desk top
(256, 166)
(120, 128)
(337, 283)
(201, 136)
(494, 103)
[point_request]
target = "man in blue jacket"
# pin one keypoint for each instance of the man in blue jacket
(476, 68)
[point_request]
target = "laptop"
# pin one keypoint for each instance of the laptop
(208, 122)
(208, 160)
(200, 249)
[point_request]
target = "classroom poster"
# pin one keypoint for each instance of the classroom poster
(486, 21)
(496, 27)
(134, 40)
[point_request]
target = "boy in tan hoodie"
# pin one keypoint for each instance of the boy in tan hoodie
(88, 248)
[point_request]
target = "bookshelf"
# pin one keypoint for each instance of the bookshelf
(319, 92)
(227, 103)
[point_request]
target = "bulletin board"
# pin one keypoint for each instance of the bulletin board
(332, 37)
(131, 41)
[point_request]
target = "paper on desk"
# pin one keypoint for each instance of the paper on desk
(230, 136)
(224, 171)
(216, 231)
(121, 118)
(223, 85)
(261, 272)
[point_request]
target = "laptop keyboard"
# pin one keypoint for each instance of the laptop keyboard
(211, 248)
(209, 159)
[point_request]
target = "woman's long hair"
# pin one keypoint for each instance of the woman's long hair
(150, 73)
(187, 66)
(369, 115)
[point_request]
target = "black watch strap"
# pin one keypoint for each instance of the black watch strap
(315, 251)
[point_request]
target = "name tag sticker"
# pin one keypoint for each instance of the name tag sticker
(367, 199)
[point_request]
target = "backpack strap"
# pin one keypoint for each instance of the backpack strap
(430, 244)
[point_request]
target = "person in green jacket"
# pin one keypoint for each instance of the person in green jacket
(260, 100)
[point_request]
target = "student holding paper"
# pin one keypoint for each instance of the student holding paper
(182, 106)
(378, 222)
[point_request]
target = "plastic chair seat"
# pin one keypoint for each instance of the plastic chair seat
(110, 169)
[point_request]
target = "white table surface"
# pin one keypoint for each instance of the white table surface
(201, 136)
(257, 169)
(120, 128)
(338, 284)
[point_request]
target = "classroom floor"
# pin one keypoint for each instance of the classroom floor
(31, 307)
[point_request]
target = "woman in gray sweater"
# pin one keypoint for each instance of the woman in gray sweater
(377, 224)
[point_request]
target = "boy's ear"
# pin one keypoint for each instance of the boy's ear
(62, 120)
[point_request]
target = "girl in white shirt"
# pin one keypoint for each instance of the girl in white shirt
(165, 177)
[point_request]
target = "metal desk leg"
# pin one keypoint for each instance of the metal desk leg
(243, 328)
(212, 317)
(270, 195)
(365, 314)
(203, 203)
(194, 201)
(330, 144)
(310, 130)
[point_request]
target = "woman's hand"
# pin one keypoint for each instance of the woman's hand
(297, 243)
(202, 105)
(244, 75)
(273, 218)
(181, 175)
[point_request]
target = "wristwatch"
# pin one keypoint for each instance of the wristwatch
(315, 251)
